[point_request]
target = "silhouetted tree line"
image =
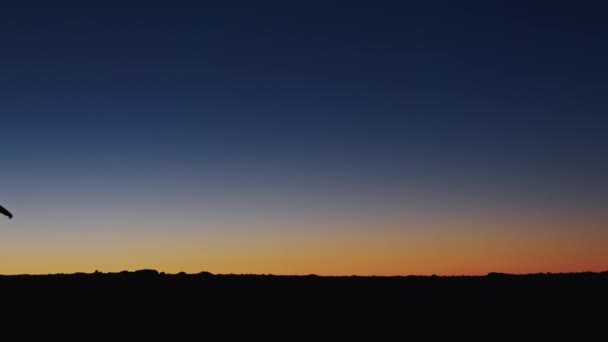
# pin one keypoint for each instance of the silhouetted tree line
(147, 305)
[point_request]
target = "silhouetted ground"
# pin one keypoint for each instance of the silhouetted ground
(145, 305)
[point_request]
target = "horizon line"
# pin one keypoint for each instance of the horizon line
(152, 271)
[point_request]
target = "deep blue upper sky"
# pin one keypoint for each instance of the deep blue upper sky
(291, 95)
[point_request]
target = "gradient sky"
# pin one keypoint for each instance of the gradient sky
(297, 137)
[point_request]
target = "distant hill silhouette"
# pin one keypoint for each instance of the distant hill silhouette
(147, 305)
(146, 273)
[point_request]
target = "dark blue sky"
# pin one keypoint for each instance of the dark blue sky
(282, 78)
(362, 103)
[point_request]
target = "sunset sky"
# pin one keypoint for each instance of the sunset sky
(299, 137)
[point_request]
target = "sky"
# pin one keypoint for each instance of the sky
(304, 137)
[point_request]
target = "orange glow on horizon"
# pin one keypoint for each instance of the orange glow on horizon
(441, 247)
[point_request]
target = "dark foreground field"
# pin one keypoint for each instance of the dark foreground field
(145, 306)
